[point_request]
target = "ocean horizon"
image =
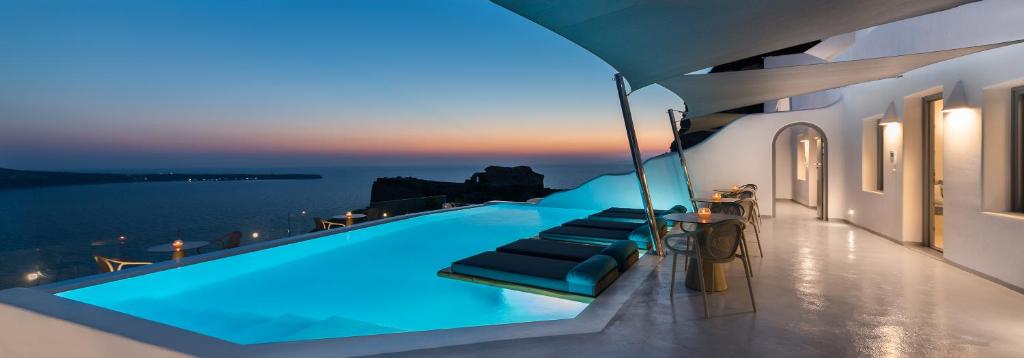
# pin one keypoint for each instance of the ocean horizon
(53, 229)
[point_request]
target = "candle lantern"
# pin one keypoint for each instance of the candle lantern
(704, 213)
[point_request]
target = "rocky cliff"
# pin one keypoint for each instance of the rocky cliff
(494, 183)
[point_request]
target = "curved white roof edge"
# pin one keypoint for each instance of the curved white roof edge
(652, 40)
(716, 92)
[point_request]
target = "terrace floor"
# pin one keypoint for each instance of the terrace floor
(823, 289)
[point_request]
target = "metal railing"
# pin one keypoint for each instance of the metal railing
(67, 260)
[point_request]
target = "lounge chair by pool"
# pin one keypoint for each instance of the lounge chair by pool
(630, 215)
(588, 235)
(605, 224)
(588, 278)
(625, 253)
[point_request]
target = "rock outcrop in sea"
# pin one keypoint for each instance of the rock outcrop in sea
(519, 183)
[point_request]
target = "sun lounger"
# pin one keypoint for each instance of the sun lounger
(605, 224)
(625, 253)
(587, 278)
(629, 215)
(587, 235)
(634, 211)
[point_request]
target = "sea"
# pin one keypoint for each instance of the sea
(51, 234)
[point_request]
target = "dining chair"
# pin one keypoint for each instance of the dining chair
(106, 264)
(230, 240)
(739, 210)
(751, 194)
(750, 216)
(714, 244)
(320, 224)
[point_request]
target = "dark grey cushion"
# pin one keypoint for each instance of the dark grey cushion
(640, 236)
(625, 253)
(605, 224)
(589, 277)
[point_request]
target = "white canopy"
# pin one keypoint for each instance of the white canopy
(715, 92)
(649, 41)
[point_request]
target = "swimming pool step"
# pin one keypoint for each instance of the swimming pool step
(271, 330)
(335, 326)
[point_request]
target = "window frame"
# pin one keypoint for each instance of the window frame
(1017, 149)
(879, 156)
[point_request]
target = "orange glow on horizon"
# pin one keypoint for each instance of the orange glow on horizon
(481, 141)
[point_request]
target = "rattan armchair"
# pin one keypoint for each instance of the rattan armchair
(715, 244)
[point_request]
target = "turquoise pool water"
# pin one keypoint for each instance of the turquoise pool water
(374, 280)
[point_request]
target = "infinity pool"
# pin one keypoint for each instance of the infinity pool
(373, 280)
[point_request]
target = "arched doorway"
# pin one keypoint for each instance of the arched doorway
(800, 167)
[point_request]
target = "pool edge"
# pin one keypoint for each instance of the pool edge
(44, 301)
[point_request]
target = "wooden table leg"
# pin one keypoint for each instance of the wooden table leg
(714, 277)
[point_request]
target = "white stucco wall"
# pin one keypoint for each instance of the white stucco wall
(741, 153)
(989, 243)
(977, 235)
(785, 152)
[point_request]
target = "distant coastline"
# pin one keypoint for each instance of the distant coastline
(18, 179)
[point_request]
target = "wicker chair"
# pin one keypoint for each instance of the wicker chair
(106, 264)
(321, 224)
(228, 241)
(740, 210)
(749, 206)
(750, 194)
(716, 244)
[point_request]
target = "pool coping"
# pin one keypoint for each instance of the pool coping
(42, 300)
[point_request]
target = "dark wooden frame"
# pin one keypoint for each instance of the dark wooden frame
(1017, 150)
(879, 156)
(928, 172)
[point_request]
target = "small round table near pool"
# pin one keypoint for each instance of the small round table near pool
(178, 253)
(714, 274)
(719, 200)
(349, 218)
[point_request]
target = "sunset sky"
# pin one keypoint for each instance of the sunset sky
(194, 83)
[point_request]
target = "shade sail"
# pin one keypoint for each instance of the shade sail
(710, 93)
(652, 40)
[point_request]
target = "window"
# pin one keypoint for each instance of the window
(872, 154)
(879, 155)
(1017, 150)
(803, 159)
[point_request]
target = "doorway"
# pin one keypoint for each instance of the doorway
(800, 167)
(932, 135)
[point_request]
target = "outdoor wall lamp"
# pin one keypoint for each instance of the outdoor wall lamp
(957, 99)
(890, 116)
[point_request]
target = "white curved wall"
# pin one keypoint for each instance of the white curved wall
(665, 181)
(741, 153)
(977, 235)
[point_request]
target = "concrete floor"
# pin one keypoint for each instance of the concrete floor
(823, 289)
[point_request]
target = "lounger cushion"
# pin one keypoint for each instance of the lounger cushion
(625, 253)
(638, 216)
(541, 272)
(605, 224)
(674, 209)
(641, 236)
(588, 275)
(633, 211)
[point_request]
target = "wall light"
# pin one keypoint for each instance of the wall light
(890, 116)
(957, 99)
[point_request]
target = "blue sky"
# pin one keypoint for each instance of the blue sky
(157, 84)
